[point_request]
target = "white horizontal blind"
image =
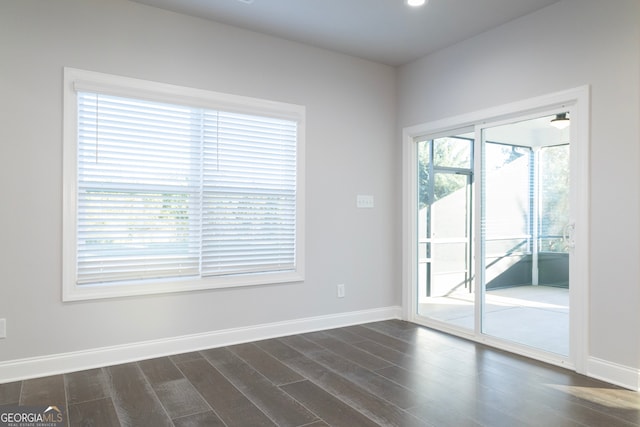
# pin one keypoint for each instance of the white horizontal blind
(250, 197)
(175, 191)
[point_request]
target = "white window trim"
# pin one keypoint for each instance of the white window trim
(74, 80)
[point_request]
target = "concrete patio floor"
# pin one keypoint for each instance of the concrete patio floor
(536, 316)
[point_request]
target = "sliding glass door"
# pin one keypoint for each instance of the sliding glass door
(525, 257)
(493, 251)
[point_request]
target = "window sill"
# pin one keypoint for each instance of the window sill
(72, 292)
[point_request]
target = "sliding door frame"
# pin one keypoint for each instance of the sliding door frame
(576, 101)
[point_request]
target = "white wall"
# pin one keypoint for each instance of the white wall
(563, 46)
(351, 135)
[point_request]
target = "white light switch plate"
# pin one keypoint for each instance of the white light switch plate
(3, 328)
(364, 201)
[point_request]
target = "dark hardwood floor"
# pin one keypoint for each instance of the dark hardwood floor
(390, 373)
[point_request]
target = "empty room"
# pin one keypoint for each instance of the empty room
(320, 213)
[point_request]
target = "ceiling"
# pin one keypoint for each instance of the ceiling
(386, 31)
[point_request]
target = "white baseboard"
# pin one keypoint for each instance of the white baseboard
(614, 373)
(21, 369)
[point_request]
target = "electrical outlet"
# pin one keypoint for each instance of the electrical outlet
(340, 290)
(3, 328)
(364, 201)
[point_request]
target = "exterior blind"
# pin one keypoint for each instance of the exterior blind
(170, 191)
(508, 191)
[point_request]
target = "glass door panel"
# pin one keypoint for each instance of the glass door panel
(444, 228)
(525, 204)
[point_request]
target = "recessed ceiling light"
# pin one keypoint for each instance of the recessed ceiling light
(246, 1)
(416, 3)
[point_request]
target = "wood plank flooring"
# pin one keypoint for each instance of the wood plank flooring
(389, 373)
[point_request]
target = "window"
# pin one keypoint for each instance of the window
(170, 188)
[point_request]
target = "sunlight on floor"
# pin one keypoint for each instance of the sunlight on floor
(594, 395)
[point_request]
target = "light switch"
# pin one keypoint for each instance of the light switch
(364, 201)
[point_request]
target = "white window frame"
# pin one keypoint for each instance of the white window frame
(74, 80)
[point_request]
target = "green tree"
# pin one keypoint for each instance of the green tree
(450, 152)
